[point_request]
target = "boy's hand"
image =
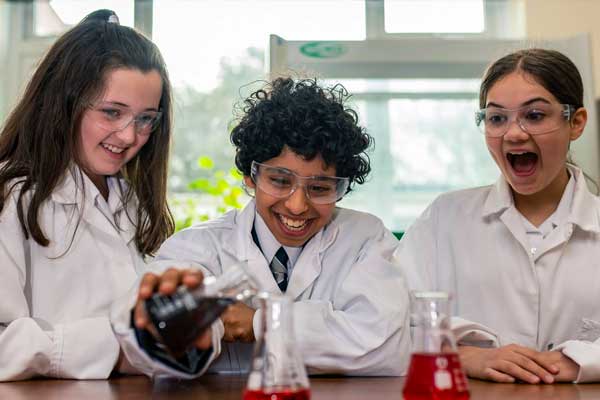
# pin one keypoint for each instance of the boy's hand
(568, 370)
(167, 283)
(237, 320)
(507, 363)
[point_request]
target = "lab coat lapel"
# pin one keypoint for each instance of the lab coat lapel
(78, 191)
(241, 247)
(583, 211)
(118, 188)
(582, 214)
(512, 220)
(308, 266)
(500, 202)
(126, 226)
(306, 269)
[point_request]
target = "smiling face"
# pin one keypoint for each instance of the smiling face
(293, 220)
(103, 152)
(531, 164)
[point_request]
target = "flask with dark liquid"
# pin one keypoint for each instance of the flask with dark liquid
(180, 318)
(277, 371)
(435, 372)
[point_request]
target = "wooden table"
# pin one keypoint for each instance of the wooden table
(215, 387)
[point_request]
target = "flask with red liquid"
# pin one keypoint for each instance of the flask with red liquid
(277, 371)
(435, 372)
(180, 318)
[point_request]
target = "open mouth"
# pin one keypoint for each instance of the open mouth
(523, 163)
(293, 225)
(112, 149)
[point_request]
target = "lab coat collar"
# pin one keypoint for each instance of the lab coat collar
(583, 212)
(309, 264)
(307, 267)
(499, 198)
(78, 190)
(241, 246)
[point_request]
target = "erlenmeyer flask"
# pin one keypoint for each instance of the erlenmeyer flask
(435, 371)
(181, 317)
(277, 371)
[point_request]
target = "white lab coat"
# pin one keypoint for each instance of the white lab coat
(350, 301)
(55, 300)
(472, 243)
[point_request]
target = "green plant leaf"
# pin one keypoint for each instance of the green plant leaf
(205, 162)
(201, 184)
(236, 191)
(235, 174)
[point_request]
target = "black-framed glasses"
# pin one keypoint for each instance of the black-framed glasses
(281, 182)
(114, 118)
(535, 119)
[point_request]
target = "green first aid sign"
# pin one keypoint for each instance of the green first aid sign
(323, 49)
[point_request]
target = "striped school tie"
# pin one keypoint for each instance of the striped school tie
(279, 268)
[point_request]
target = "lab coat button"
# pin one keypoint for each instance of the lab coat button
(533, 251)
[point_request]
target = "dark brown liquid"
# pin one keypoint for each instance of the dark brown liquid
(180, 318)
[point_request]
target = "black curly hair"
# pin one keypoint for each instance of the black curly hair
(310, 120)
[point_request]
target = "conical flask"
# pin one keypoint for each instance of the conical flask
(180, 318)
(277, 371)
(435, 371)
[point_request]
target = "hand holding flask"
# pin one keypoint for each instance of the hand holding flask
(179, 319)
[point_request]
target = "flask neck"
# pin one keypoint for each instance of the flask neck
(431, 320)
(277, 361)
(278, 318)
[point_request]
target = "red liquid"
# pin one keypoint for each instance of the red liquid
(435, 377)
(277, 394)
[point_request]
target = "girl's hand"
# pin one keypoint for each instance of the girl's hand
(507, 363)
(167, 283)
(568, 370)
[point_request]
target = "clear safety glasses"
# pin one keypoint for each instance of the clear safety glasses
(281, 182)
(114, 118)
(536, 119)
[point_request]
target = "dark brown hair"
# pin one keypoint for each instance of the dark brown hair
(40, 137)
(550, 68)
(308, 118)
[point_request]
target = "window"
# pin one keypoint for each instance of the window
(414, 79)
(208, 73)
(426, 143)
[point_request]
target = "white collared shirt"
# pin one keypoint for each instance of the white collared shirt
(472, 243)
(54, 313)
(269, 244)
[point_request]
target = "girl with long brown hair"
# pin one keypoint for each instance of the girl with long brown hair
(83, 169)
(520, 255)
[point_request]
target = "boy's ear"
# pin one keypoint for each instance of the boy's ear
(249, 182)
(578, 123)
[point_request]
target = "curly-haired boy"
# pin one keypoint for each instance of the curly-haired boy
(300, 149)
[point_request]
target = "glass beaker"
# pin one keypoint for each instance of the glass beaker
(435, 371)
(181, 317)
(277, 371)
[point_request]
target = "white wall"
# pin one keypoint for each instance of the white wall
(551, 19)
